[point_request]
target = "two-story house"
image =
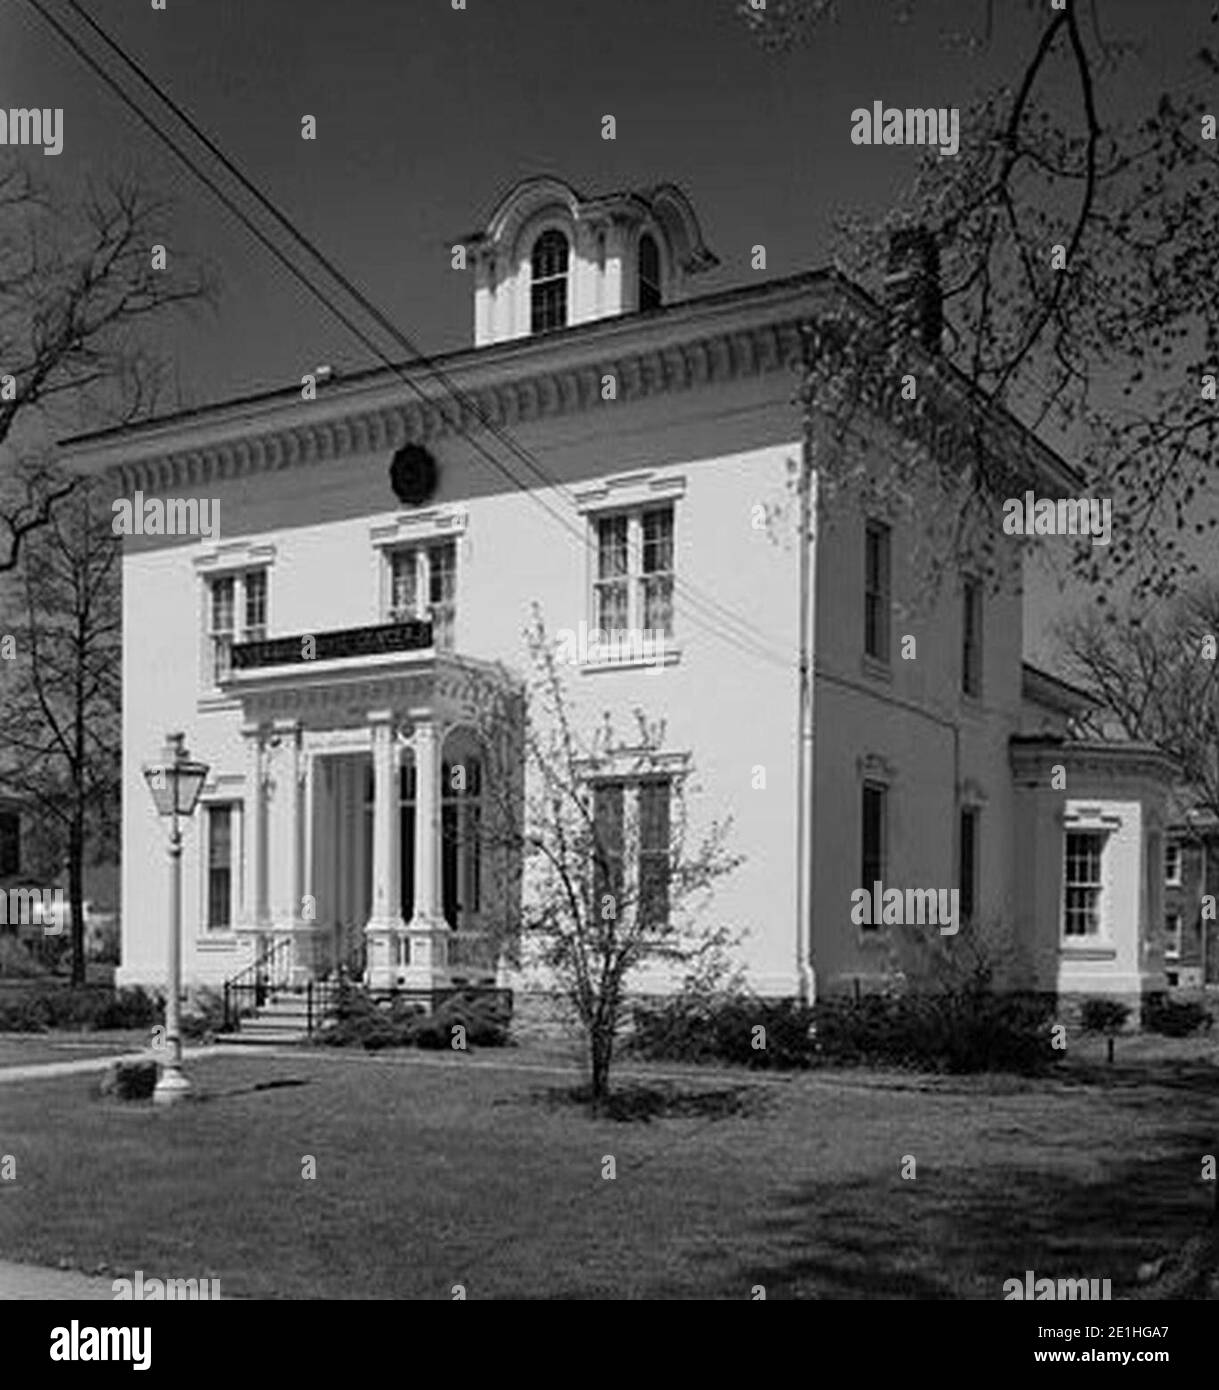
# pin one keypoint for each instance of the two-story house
(611, 449)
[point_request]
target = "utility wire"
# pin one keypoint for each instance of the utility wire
(721, 617)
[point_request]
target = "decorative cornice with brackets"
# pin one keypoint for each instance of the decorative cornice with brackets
(702, 343)
(705, 342)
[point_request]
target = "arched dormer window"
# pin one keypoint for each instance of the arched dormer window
(649, 273)
(548, 283)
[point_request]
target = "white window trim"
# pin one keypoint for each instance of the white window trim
(210, 694)
(630, 490)
(413, 528)
(1177, 880)
(629, 494)
(225, 790)
(522, 325)
(236, 555)
(1089, 819)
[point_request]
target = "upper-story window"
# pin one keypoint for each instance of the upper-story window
(423, 585)
(548, 282)
(876, 598)
(237, 612)
(633, 587)
(1172, 864)
(971, 639)
(649, 273)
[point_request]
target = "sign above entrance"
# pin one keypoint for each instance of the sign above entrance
(413, 475)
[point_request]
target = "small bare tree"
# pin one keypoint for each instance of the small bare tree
(60, 737)
(83, 283)
(611, 886)
(1153, 669)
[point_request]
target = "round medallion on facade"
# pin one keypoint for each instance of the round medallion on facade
(413, 475)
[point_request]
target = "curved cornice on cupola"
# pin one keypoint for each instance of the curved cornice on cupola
(672, 210)
(522, 201)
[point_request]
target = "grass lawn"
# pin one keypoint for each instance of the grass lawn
(434, 1170)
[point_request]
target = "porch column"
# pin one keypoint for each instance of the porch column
(291, 732)
(301, 943)
(385, 923)
(428, 932)
(429, 909)
(257, 911)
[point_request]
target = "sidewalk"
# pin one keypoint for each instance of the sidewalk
(32, 1281)
(36, 1071)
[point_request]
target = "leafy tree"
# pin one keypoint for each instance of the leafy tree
(1076, 162)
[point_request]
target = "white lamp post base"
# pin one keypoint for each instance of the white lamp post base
(171, 1087)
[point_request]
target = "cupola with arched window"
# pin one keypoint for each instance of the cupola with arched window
(549, 258)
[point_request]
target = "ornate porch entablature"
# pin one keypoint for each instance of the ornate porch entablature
(336, 695)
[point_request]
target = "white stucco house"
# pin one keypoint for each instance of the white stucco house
(371, 520)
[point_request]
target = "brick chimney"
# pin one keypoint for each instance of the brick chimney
(912, 285)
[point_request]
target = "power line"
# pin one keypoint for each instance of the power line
(721, 617)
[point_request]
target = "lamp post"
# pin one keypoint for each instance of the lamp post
(175, 783)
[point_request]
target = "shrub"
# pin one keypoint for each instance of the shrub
(723, 1028)
(358, 1021)
(1172, 1018)
(1103, 1015)
(484, 1017)
(17, 962)
(202, 1013)
(29, 1013)
(130, 1080)
(961, 1030)
(90, 1008)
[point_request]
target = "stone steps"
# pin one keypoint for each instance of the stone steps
(282, 1020)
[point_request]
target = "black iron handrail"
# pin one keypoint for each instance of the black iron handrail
(250, 987)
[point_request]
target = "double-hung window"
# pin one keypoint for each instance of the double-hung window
(633, 582)
(237, 612)
(874, 827)
(877, 598)
(423, 586)
(1084, 883)
(631, 848)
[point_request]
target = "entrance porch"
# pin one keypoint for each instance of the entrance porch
(377, 785)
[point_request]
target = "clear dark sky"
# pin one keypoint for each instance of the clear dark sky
(426, 115)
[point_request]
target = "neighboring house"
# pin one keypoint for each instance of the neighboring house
(658, 428)
(1191, 872)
